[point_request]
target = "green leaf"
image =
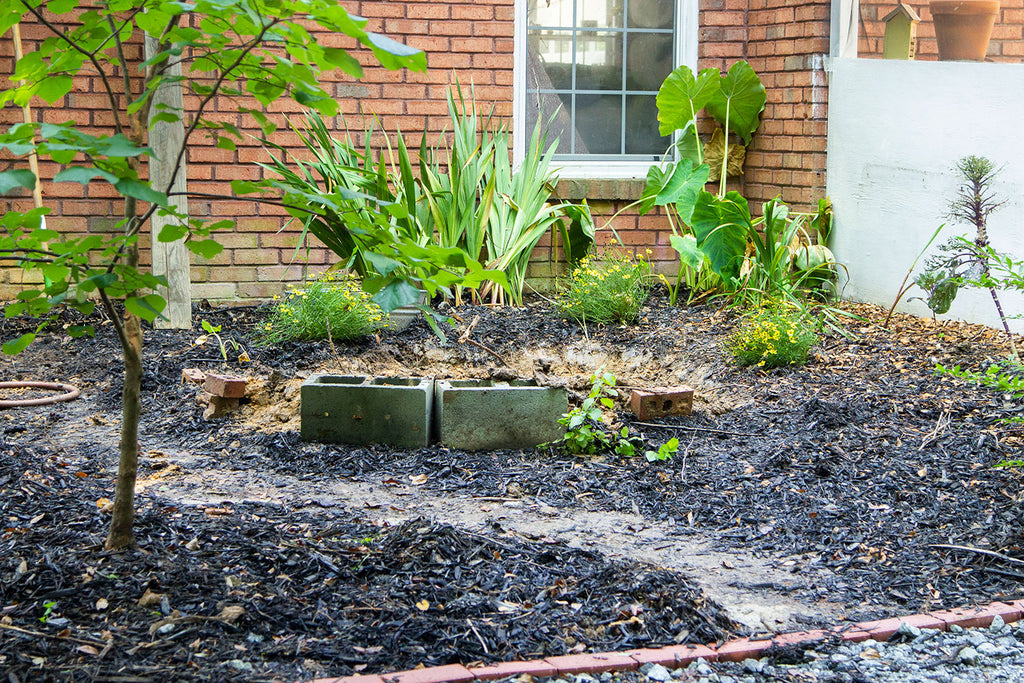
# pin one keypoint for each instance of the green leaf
(10, 180)
(172, 232)
(76, 331)
(721, 227)
(225, 143)
(394, 55)
(740, 98)
(54, 87)
(83, 175)
(395, 294)
(140, 190)
(205, 248)
(682, 96)
(100, 281)
(148, 307)
(18, 345)
(382, 264)
(682, 188)
(690, 254)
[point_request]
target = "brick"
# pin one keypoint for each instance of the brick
(350, 679)
(592, 663)
(978, 617)
(193, 375)
(674, 656)
(225, 386)
(742, 648)
(537, 668)
(661, 401)
(450, 673)
(888, 627)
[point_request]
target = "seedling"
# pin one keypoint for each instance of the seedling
(222, 342)
(665, 451)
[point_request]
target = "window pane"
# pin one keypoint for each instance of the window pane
(598, 123)
(600, 13)
(551, 52)
(648, 60)
(550, 13)
(651, 13)
(598, 60)
(555, 114)
(642, 126)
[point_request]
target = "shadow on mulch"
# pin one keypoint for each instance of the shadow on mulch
(262, 592)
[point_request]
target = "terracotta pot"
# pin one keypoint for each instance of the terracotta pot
(963, 27)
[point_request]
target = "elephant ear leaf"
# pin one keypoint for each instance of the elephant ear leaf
(682, 96)
(721, 227)
(739, 101)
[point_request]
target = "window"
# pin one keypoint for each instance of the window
(590, 70)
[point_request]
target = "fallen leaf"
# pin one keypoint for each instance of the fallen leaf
(419, 479)
(105, 504)
(217, 512)
(231, 613)
(88, 650)
(35, 520)
(151, 599)
(193, 544)
(102, 604)
(423, 605)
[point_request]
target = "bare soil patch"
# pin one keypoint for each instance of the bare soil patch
(799, 497)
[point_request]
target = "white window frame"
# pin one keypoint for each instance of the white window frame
(687, 24)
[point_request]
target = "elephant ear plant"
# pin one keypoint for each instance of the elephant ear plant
(963, 262)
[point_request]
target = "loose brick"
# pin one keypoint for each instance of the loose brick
(742, 648)
(225, 386)
(674, 656)
(661, 401)
(193, 375)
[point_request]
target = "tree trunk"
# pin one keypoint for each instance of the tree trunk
(122, 531)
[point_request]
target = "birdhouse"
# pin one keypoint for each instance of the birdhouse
(900, 32)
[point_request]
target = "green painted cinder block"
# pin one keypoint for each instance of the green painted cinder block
(354, 409)
(480, 414)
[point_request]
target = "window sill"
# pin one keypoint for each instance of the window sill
(600, 189)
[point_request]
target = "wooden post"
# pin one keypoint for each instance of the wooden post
(170, 259)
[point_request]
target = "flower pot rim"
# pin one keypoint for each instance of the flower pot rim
(963, 7)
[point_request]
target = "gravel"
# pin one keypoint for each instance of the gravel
(990, 655)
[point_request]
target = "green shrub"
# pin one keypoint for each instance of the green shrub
(611, 289)
(329, 306)
(772, 336)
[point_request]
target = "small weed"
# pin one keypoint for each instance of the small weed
(586, 432)
(773, 336)
(1006, 377)
(47, 611)
(330, 306)
(222, 342)
(665, 451)
(609, 290)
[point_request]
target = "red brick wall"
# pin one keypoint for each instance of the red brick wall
(473, 42)
(1007, 44)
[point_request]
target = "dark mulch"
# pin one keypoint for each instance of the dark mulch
(861, 463)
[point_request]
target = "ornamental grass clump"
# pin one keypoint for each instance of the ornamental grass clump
(773, 336)
(611, 289)
(329, 306)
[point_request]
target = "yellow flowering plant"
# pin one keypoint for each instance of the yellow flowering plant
(774, 335)
(610, 289)
(329, 306)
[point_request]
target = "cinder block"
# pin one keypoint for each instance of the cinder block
(225, 386)
(360, 410)
(661, 401)
(482, 414)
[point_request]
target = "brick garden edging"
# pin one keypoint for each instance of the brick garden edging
(675, 656)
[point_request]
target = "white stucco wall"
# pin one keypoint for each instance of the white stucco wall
(895, 131)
